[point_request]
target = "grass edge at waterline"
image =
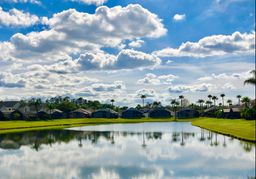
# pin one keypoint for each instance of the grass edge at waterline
(20, 126)
(238, 128)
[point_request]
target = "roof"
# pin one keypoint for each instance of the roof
(160, 109)
(8, 104)
(106, 110)
(233, 110)
(213, 108)
(186, 109)
(56, 110)
(82, 111)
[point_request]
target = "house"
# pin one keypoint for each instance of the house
(2, 116)
(7, 107)
(16, 115)
(160, 113)
(232, 113)
(43, 115)
(80, 113)
(210, 112)
(187, 113)
(105, 113)
(56, 113)
(132, 113)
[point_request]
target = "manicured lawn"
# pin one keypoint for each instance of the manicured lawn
(18, 126)
(239, 128)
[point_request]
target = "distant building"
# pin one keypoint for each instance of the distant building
(104, 113)
(56, 113)
(232, 113)
(80, 113)
(160, 113)
(7, 107)
(210, 112)
(17, 115)
(2, 116)
(43, 115)
(187, 113)
(132, 113)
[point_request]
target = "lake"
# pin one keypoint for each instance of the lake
(139, 151)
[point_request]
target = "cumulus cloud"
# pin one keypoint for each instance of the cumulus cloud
(225, 76)
(215, 45)
(136, 44)
(152, 79)
(107, 25)
(7, 80)
(23, 1)
(204, 87)
(106, 29)
(179, 17)
(148, 92)
(226, 81)
(96, 2)
(126, 59)
(117, 85)
(15, 17)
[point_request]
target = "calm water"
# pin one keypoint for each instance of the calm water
(148, 150)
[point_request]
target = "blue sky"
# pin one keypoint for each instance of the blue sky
(97, 50)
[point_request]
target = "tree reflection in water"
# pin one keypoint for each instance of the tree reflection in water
(38, 138)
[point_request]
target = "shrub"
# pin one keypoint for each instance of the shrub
(249, 113)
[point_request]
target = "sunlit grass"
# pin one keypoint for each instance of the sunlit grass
(239, 128)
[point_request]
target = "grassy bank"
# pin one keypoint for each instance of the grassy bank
(19, 126)
(238, 128)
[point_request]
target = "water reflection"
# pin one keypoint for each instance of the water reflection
(125, 151)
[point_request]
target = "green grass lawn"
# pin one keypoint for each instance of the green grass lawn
(239, 128)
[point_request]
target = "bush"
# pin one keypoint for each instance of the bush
(219, 113)
(249, 113)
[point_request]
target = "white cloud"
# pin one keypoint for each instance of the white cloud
(136, 44)
(126, 59)
(15, 17)
(106, 29)
(100, 87)
(150, 93)
(225, 81)
(215, 45)
(179, 17)
(204, 87)
(152, 79)
(23, 1)
(96, 2)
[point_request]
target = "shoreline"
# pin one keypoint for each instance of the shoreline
(237, 128)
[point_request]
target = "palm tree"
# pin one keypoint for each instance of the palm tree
(210, 97)
(229, 101)
(222, 96)
(214, 98)
(174, 104)
(208, 103)
(238, 97)
(200, 101)
(36, 102)
(112, 102)
(23, 104)
(251, 80)
(143, 98)
(245, 100)
(181, 97)
(50, 106)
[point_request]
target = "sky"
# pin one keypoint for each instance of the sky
(121, 49)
